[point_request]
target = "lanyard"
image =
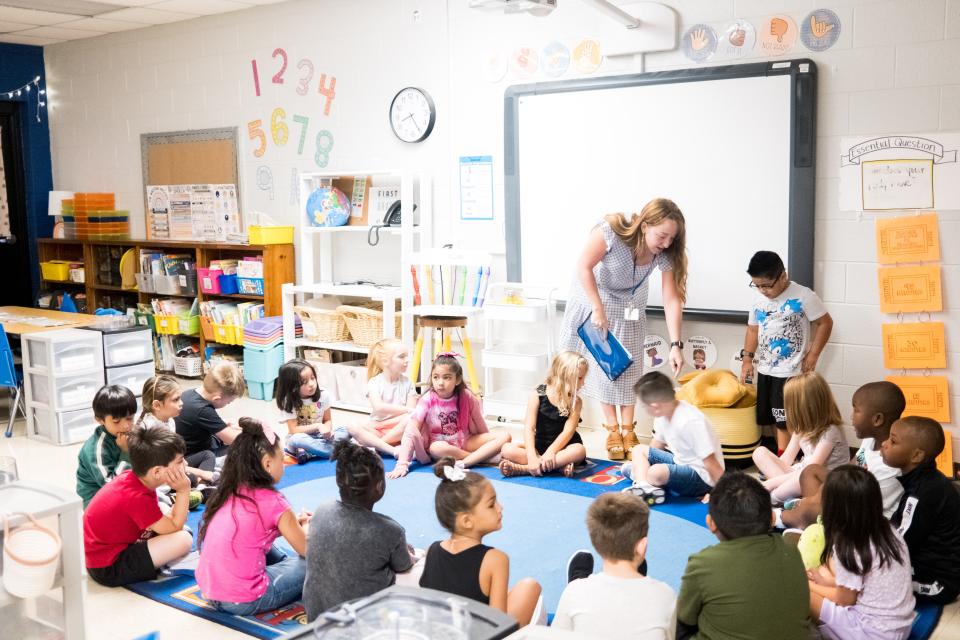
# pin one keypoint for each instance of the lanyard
(642, 280)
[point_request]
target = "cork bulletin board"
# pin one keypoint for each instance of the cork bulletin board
(205, 156)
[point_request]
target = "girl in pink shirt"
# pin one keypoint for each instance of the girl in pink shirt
(240, 570)
(448, 421)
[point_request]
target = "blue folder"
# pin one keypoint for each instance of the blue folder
(609, 353)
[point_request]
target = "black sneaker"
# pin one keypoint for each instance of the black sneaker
(580, 565)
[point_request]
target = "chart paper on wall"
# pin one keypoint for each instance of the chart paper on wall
(908, 239)
(926, 396)
(914, 345)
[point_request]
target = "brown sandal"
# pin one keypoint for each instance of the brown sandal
(629, 439)
(614, 442)
(509, 469)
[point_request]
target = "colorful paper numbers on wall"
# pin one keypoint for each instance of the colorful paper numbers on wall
(926, 396)
(910, 289)
(914, 345)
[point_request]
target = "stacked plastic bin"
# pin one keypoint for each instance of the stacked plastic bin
(127, 356)
(62, 371)
(263, 355)
(94, 216)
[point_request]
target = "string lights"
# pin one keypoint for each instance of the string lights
(32, 87)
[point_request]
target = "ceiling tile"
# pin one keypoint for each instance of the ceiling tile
(202, 7)
(29, 16)
(14, 38)
(98, 24)
(14, 26)
(145, 16)
(128, 3)
(59, 33)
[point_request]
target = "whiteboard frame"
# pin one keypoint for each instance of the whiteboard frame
(802, 196)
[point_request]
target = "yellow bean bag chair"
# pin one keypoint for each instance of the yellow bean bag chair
(731, 408)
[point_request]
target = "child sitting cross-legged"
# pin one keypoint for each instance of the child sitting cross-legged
(199, 423)
(104, 455)
(353, 551)
(605, 604)
(695, 461)
(550, 438)
(467, 507)
(447, 422)
(126, 537)
(240, 570)
(863, 589)
(928, 515)
(751, 585)
(306, 411)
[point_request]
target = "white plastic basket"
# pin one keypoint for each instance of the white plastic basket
(31, 554)
(187, 366)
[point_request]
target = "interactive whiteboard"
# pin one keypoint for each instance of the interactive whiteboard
(733, 146)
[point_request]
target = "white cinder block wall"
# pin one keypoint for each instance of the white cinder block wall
(893, 70)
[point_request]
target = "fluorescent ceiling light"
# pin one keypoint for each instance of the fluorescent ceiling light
(72, 7)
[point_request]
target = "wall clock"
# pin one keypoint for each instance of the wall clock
(412, 114)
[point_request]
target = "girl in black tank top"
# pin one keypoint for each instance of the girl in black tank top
(553, 413)
(467, 507)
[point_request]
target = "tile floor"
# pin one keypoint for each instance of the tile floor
(118, 614)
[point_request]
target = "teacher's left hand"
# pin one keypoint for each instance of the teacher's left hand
(676, 360)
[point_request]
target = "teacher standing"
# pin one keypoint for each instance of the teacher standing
(610, 288)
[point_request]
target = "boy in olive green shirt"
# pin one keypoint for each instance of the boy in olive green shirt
(750, 586)
(104, 455)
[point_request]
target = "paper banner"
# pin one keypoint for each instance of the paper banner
(910, 289)
(926, 396)
(908, 239)
(914, 345)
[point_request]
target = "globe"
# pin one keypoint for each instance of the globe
(328, 207)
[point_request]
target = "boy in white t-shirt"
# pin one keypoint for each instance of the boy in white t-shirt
(778, 343)
(694, 461)
(876, 406)
(606, 604)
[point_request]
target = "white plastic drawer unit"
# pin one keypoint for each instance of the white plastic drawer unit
(132, 376)
(61, 427)
(63, 393)
(63, 352)
(127, 347)
(531, 311)
(517, 356)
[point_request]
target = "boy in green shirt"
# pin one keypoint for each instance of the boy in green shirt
(105, 454)
(750, 586)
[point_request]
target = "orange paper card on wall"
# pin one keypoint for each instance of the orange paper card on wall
(909, 289)
(914, 345)
(926, 396)
(908, 239)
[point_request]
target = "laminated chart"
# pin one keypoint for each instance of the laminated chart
(914, 345)
(926, 396)
(910, 289)
(908, 239)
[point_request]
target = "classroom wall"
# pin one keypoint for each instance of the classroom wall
(20, 64)
(892, 70)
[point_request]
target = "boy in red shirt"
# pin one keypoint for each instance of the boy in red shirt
(126, 536)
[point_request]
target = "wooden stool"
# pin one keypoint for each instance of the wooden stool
(443, 340)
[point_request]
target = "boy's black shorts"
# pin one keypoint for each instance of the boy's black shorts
(770, 401)
(134, 564)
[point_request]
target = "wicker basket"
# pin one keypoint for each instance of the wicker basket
(738, 432)
(324, 325)
(366, 325)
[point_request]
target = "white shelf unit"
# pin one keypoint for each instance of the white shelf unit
(318, 247)
(509, 401)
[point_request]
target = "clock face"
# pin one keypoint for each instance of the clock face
(412, 114)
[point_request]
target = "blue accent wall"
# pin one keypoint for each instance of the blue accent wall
(20, 64)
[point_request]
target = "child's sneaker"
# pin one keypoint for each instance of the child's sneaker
(792, 503)
(626, 470)
(300, 454)
(580, 565)
(650, 494)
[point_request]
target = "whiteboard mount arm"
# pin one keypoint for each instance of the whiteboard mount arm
(616, 13)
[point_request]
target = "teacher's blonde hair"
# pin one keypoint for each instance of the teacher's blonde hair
(655, 212)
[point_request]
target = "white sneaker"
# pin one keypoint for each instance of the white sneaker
(626, 470)
(650, 494)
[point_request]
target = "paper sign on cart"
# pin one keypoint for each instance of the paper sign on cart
(910, 289)
(926, 396)
(908, 239)
(914, 345)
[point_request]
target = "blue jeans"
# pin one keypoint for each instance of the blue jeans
(314, 444)
(683, 480)
(286, 575)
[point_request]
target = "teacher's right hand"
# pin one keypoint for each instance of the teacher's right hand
(599, 320)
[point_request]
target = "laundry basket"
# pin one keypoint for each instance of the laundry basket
(31, 554)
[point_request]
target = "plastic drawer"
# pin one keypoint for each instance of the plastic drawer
(131, 376)
(128, 347)
(261, 366)
(260, 390)
(60, 427)
(63, 393)
(64, 351)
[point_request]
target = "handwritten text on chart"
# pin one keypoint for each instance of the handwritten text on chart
(897, 184)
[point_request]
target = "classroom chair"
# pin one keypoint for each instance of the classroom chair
(11, 378)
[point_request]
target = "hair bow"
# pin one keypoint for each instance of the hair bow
(269, 433)
(454, 473)
(449, 354)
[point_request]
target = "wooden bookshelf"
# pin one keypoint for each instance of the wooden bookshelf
(278, 269)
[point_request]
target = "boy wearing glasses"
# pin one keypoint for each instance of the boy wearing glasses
(787, 330)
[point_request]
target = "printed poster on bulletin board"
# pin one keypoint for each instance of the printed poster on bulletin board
(914, 345)
(926, 396)
(910, 289)
(890, 172)
(205, 212)
(908, 239)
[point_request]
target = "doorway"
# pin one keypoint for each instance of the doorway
(15, 264)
